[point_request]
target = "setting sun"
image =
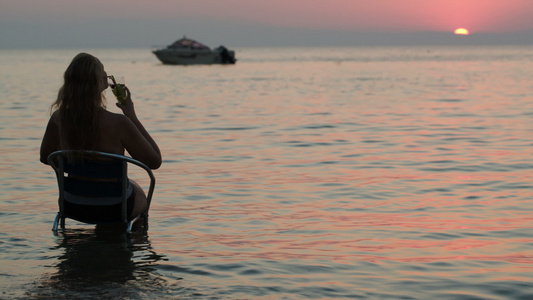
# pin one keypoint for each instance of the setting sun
(461, 31)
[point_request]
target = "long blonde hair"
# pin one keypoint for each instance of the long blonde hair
(78, 103)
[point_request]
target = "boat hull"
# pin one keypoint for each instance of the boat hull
(191, 57)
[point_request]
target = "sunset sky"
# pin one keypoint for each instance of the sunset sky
(141, 23)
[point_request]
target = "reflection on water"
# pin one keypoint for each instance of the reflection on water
(387, 173)
(102, 264)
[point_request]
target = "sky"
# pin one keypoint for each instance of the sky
(259, 23)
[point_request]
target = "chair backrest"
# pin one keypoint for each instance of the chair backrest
(94, 187)
(94, 178)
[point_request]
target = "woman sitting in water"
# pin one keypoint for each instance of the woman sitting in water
(81, 122)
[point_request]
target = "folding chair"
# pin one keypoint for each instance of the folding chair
(94, 188)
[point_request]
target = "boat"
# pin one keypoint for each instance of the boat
(186, 51)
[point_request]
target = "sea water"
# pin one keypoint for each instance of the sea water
(298, 173)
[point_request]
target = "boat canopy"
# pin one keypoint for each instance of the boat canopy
(188, 43)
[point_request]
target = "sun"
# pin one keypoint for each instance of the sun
(461, 31)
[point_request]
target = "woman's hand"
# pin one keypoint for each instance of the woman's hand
(127, 107)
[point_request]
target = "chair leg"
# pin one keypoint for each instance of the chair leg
(130, 225)
(144, 217)
(56, 223)
(145, 221)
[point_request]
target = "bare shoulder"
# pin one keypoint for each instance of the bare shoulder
(109, 115)
(116, 128)
(55, 116)
(112, 132)
(111, 119)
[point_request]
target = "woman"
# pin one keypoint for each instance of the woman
(81, 122)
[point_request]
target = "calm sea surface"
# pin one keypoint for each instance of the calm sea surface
(298, 173)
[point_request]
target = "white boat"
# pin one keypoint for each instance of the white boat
(190, 52)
